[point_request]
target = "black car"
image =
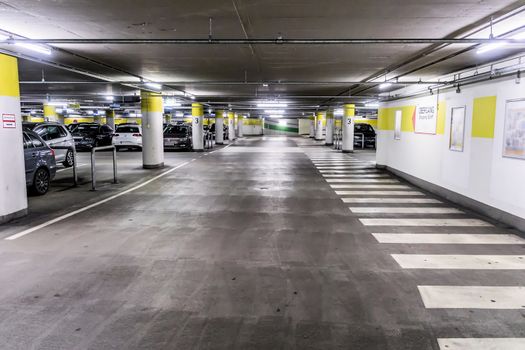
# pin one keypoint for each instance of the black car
(178, 136)
(366, 131)
(89, 135)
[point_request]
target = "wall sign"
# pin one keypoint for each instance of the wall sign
(514, 134)
(457, 129)
(8, 121)
(426, 120)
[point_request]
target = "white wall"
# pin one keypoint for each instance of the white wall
(479, 172)
(250, 130)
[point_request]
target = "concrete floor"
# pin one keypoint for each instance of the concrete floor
(248, 247)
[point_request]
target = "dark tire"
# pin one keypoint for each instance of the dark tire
(41, 182)
(70, 159)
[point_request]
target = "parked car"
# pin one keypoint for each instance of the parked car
(55, 134)
(178, 136)
(90, 135)
(40, 163)
(367, 131)
(128, 136)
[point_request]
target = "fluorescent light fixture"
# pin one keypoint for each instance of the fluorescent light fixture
(265, 85)
(274, 111)
(179, 114)
(272, 105)
(385, 86)
(282, 122)
(109, 98)
(171, 102)
(59, 110)
(374, 105)
(192, 97)
(32, 112)
(70, 111)
(491, 47)
(99, 112)
(276, 116)
(56, 104)
(155, 86)
(34, 47)
(89, 112)
(338, 112)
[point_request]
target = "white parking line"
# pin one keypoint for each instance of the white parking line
(379, 193)
(362, 180)
(390, 187)
(391, 200)
(357, 171)
(425, 222)
(355, 175)
(473, 297)
(78, 211)
(447, 238)
(460, 262)
(404, 210)
(481, 343)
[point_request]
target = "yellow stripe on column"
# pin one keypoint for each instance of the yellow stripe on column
(9, 85)
(50, 111)
(151, 102)
(349, 110)
(231, 115)
(110, 113)
(330, 115)
(197, 110)
(219, 114)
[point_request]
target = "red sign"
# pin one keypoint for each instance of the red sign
(8, 121)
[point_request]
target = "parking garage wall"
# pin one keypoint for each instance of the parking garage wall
(479, 175)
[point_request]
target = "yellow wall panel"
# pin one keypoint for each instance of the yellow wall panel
(484, 117)
(9, 85)
(441, 117)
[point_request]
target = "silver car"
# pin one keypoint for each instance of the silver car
(55, 134)
(39, 163)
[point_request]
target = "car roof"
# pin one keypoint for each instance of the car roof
(34, 134)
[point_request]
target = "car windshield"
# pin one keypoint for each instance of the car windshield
(363, 128)
(176, 130)
(87, 128)
(127, 129)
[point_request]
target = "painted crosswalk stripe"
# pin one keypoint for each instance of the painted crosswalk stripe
(425, 222)
(404, 210)
(361, 180)
(390, 187)
(352, 172)
(391, 200)
(447, 238)
(345, 167)
(473, 297)
(350, 176)
(460, 262)
(481, 343)
(379, 193)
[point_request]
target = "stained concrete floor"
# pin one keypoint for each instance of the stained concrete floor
(248, 247)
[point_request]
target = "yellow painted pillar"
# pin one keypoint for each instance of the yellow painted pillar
(320, 121)
(50, 113)
(197, 120)
(219, 127)
(348, 128)
(231, 126)
(152, 127)
(13, 197)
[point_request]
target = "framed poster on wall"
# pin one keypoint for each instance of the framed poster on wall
(514, 132)
(426, 120)
(457, 129)
(397, 125)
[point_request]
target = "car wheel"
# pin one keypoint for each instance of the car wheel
(40, 182)
(70, 159)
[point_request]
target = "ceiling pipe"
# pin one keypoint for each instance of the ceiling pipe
(369, 41)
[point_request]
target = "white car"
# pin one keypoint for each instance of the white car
(128, 136)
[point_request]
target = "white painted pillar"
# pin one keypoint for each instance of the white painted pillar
(320, 120)
(240, 125)
(152, 133)
(219, 126)
(348, 128)
(197, 129)
(262, 126)
(13, 197)
(329, 140)
(312, 126)
(231, 126)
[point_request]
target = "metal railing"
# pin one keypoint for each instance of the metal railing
(209, 140)
(93, 175)
(338, 139)
(362, 139)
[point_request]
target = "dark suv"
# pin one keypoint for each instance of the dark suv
(366, 131)
(39, 163)
(89, 135)
(178, 136)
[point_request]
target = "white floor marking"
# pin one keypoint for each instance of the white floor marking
(78, 211)
(404, 210)
(349, 172)
(481, 343)
(391, 200)
(70, 168)
(379, 193)
(460, 262)
(425, 222)
(345, 167)
(447, 238)
(392, 187)
(473, 297)
(355, 175)
(362, 180)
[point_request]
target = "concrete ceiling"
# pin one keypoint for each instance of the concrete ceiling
(306, 19)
